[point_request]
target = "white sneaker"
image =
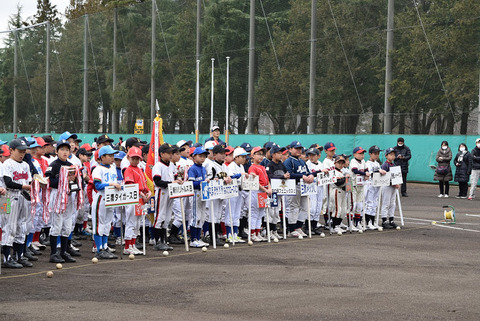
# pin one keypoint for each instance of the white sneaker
(275, 234)
(74, 248)
(341, 225)
(338, 229)
(254, 238)
(229, 239)
(360, 226)
(129, 251)
(238, 239)
(293, 234)
(370, 226)
(446, 195)
(203, 243)
(118, 241)
(261, 238)
(151, 242)
(196, 244)
(440, 195)
(94, 249)
(110, 249)
(301, 232)
(136, 251)
(353, 227)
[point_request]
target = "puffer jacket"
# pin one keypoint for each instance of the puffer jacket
(475, 158)
(405, 152)
(463, 164)
(444, 157)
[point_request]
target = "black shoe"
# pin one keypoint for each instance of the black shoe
(219, 242)
(56, 258)
(73, 252)
(111, 255)
(317, 231)
(162, 247)
(243, 235)
(175, 239)
(386, 225)
(139, 245)
(68, 258)
(34, 252)
(29, 255)
(393, 224)
(76, 243)
(404, 194)
(24, 262)
(102, 255)
(11, 264)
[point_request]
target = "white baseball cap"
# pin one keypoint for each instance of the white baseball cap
(239, 152)
(210, 144)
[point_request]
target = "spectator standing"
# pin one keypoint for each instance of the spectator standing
(475, 169)
(463, 164)
(443, 172)
(402, 156)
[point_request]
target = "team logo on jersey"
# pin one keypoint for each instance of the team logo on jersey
(17, 176)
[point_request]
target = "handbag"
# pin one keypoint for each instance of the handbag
(443, 169)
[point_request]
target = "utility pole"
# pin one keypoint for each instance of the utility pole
(15, 73)
(387, 121)
(251, 69)
(152, 72)
(85, 78)
(212, 93)
(114, 72)
(47, 80)
(313, 56)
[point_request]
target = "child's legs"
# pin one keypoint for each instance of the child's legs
(23, 216)
(258, 223)
(177, 212)
(10, 221)
(293, 204)
(303, 209)
(130, 222)
(387, 195)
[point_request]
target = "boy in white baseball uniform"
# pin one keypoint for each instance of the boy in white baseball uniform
(360, 174)
(316, 201)
(371, 192)
(388, 194)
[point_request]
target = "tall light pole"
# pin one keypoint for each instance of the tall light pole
(387, 117)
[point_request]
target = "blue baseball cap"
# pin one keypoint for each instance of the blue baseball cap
(268, 145)
(358, 150)
(62, 142)
(277, 149)
(199, 151)
(389, 150)
(296, 144)
(329, 146)
(2, 142)
(247, 147)
(67, 135)
(106, 150)
(34, 142)
(313, 151)
(120, 155)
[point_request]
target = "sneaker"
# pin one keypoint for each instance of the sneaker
(109, 249)
(360, 226)
(73, 251)
(261, 238)
(293, 234)
(38, 246)
(275, 233)
(254, 238)
(196, 243)
(338, 229)
(386, 225)
(118, 241)
(440, 195)
(458, 196)
(110, 253)
(68, 258)
(29, 256)
(136, 251)
(353, 228)
(470, 198)
(94, 249)
(102, 255)
(24, 262)
(446, 195)
(11, 264)
(343, 226)
(463, 197)
(128, 251)
(76, 243)
(229, 239)
(393, 224)
(175, 239)
(151, 242)
(219, 242)
(203, 243)
(162, 247)
(34, 250)
(238, 239)
(301, 232)
(223, 236)
(370, 226)
(56, 258)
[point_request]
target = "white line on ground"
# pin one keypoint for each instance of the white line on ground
(474, 215)
(447, 226)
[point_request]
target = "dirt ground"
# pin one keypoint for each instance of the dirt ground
(422, 272)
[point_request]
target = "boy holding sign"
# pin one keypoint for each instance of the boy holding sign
(360, 174)
(316, 201)
(371, 192)
(388, 194)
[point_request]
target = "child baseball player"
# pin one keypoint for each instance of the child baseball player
(257, 213)
(316, 201)
(17, 178)
(329, 165)
(388, 194)
(134, 175)
(337, 195)
(371, 192)
(360, 174)
(104, 174)
(197, 174)
(62, 203)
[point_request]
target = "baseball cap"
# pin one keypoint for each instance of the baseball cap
(229, 150)
(329, 146)
(40, 141)
(246, 146)
(477, 140)
(6, 150)
(239, 151)
(192, 149)
(268, 145)
(389, 150)
(374, 149)
(106, 150)
(104, 139)
(2, 142)
(276, 149)
(66, 136)
(87, 147)
(214, 128)
(48, 139)
(199, 151)
(286, 151)
(210, 144)
(256, 150)
(165, 148)
(218, 149)
(319, 147)
(32, 143)
(120, 155)
(135, 152)
(346, 156)
(339, 158)
(358, 150)
(62, 142)
(28, 140)
(312, 151)
(296, 144)
(78, 140)
(145, 149)
(132, 141)
(18, 144)
(83, 151)
(183, 142)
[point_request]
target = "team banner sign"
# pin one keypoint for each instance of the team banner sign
(284, 186)
(308, 189)
(381, 180)
(5, 206)
(251, 183)
(126, 196)
(176, 190)
(396, 173)
(230, 190)
(326, 178)
(219, 190)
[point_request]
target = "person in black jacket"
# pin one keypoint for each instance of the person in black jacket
(402, 156)
(463, 164)
(475, 169)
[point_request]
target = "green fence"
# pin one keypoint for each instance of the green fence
(423, 147)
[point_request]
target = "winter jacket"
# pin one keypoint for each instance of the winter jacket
(463, 164)
(475, 158)
(444, 157)
(404, 151)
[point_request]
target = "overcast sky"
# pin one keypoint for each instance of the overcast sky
(29, 8)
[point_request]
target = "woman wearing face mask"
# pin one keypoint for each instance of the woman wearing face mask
(475, 169)
(443, 173)
(463, 164)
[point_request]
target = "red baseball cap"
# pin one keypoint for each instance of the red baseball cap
(6, 150)
(86, 146)
(256, 150)
(40, 141)
(134, 152)
(229, 150)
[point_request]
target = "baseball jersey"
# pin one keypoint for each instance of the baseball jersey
(40, 164)
(208, 163)
(314, 168)
(373, 166)
(260, 171)
(218, 168)
(166, 172)
(358, 167)
(103, 175)
(19, 172)
(125, 163)
(236, 171)
(328, 164)
(197, 174)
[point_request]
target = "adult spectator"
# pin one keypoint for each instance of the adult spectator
(463, 164)
(215, 130)
(402, 156)
(475, 169)
(443, 173)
